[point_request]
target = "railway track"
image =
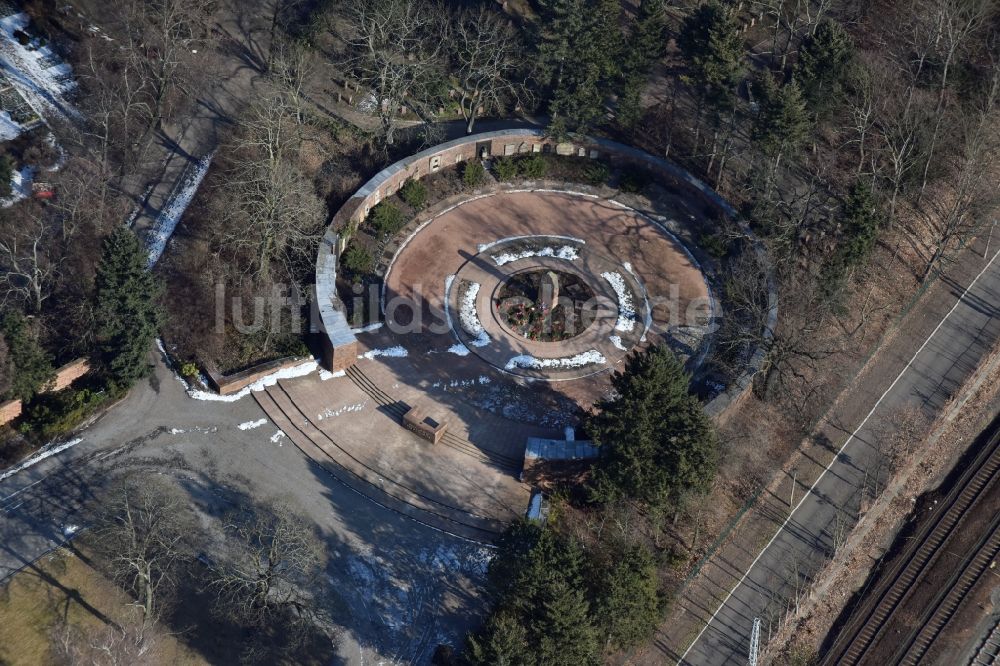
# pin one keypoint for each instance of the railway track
(397, 409)
(989, 652)
(862, 632)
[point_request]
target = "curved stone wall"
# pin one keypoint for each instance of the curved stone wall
(329, 318)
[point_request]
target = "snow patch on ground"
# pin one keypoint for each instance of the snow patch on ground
(648, 320)
(458, 349)
(278, 436)
(566, 252)
(325, 375)
(173, 210)
(250, 425)
(482, 380)
(616, 340)
(346, 409)
(482, 247)
(46, 452)
(20, 186)
(391, 352)
(626, 309)
(36, 71)
(9, 129)
(300, 370)
(469, 316)
(367, 329)
(578, 361)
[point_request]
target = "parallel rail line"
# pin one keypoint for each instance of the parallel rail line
(861, 633)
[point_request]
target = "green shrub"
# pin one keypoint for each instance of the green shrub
(189, 369)
(357, 259)
(387, 219)
(505, 169)
(473, 174)
(596, 173)
(633, 181)
(6, 171)
(51, 415)
(532, 166)
(414, 192)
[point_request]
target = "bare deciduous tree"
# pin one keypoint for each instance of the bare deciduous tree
(392, 49)
(273, 574)
(141, 530)
(487, 52)
(29, 258)
(269, 211)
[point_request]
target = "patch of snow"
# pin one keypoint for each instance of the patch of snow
(482, 380)
(367, 329)
(36, 71)
(648, 320)
(46, 452)
(176, 431)
(70, 530)
(391, 352)
(276, 437)
(566, 252)
(250, 425)
(9, 129)
(346, 409)
(468, 315)
(616, 340)
(20, 186)
(482, 247)
(458, 349)
(626, 309)
(300, 370)
(578, 361)
(325, 375)
(171, 213)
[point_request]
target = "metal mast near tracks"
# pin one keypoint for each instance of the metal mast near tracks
(754, 642)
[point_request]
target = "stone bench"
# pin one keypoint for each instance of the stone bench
(417, 421)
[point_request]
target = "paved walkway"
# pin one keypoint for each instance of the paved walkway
(936, 349)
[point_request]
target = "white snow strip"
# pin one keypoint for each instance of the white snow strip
(367, 329)
(46, 452)
(250, 425)
(459, 349)
(36, 71)
(391, 352)
(616, 340)
(566, 252)
(346, 409)
(9, 129)
(482, 247)
(277, 436)
(469, 316)
(172, 212)
(648, 319)
(583, 358)
(626, 310)
(325, 375)
(286, 373)
(20, 186)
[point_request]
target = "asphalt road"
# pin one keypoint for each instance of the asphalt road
(929, 370)
(403, 588)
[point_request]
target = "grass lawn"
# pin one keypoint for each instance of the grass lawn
(62, 587)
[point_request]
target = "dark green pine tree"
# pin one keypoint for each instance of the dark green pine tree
(566, 634)
(30, 366)
(646, 45)
(862, 220)
(657, 443)
(579, 60)
(710, 41)
(627, 607)
(502, 642)
(782, 123)
(824, 59)
(127, 308)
